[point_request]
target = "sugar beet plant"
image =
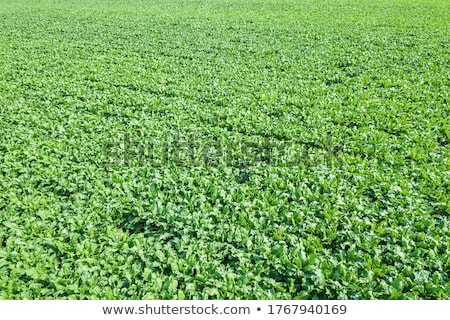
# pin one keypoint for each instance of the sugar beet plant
(224, 149)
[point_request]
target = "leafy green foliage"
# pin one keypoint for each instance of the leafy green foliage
(364, 81)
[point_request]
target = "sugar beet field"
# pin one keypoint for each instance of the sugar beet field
(224, 149)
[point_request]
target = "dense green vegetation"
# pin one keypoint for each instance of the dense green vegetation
(334, 118)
